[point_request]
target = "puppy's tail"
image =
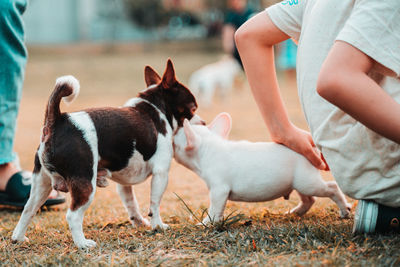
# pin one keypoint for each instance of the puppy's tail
(66, 88)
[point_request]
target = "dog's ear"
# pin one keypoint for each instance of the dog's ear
(151, 76)
(168, 78)
(192, 139)
(221, 125)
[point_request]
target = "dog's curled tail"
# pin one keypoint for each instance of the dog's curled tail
(66, 88)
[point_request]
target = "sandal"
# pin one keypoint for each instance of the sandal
(18, 189)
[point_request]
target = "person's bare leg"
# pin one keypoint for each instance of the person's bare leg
(6, 171)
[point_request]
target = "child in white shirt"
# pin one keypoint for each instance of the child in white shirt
(348, 68)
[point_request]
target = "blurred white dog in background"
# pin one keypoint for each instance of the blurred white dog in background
(215, 77)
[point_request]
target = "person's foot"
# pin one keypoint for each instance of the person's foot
(6, 171)
(371, 217)
(9, 170)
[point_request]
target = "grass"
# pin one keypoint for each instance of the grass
(255, 234)
(261, 239)
(222, 225)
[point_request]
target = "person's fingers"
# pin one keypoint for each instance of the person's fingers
(303, 143)
(326, 164)
(311, 140)
(322, 165)
(314, 156)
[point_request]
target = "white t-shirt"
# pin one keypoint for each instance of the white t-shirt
(365, 164)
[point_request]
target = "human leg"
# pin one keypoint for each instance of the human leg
(12, 66)
(13, 57)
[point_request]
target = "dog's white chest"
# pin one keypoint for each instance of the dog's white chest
(136, 172)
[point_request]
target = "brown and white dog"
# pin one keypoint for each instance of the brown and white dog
(129, 144)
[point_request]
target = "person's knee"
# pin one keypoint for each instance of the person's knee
(242, 35)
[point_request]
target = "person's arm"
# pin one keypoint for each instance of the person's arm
(344, 82)
(255, 40)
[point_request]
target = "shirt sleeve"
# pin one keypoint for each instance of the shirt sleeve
(374, 28)
(288, 16)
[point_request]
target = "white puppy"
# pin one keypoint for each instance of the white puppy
(250, 172)
(212, 77)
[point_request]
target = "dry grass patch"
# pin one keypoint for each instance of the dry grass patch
(264, 235)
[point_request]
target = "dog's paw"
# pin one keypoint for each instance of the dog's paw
(86, 244)
(16, 239)
(345, 213)
(159, 226)
(299, 211)
(101, 181)
(205, 222)
(349, 206)
(140, 222)
(102, 176)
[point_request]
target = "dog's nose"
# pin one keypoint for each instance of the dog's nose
(196, 119)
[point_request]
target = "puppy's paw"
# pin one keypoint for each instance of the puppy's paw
(86, 244)
(299, 211)
(203, 223)
(209, 221)
(206, 221)
(345, 213)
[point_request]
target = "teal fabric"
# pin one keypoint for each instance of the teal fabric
(13, 57)
(287, 56)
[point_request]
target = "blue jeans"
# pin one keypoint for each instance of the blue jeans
(13, 56)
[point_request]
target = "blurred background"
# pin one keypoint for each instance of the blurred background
(110, 21)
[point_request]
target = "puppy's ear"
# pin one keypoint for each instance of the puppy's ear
(151, 76)
(169, 78)
(192, 138)
(221, 125)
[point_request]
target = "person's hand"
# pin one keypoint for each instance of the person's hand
(301, 142)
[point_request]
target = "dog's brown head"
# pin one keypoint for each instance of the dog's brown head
(176, 99)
